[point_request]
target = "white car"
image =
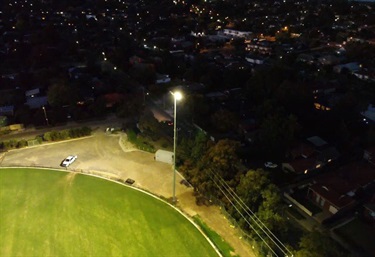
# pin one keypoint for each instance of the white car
(68, 160)
(270, 165)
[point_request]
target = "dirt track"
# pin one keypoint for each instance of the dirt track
(111, 156)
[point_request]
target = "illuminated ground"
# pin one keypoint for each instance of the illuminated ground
(53, 213)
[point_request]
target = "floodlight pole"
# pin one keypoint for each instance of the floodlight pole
(174, 149)
(176, 96)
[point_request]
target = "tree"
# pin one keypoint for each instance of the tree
(316, 244)
(276, 135)
(60, 94)
(224, 120)
(222, 158)
(3, 121)
(270, 210)
(148, 122)
(130, 107)
(191, 151)
(295, 97)
(23, 114)
(199, 147)
(250, 187)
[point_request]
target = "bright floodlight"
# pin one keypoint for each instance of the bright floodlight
(177, 95)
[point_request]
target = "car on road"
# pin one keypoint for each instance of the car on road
(68, 160)
(270, 165)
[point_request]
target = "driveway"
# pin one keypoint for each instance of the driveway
(108, 155)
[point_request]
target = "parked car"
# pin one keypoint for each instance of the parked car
(68, 160)
(270, 165)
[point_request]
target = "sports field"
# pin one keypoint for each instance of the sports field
(53, 213)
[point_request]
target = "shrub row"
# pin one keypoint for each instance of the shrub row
(132, 137)
(12, 144)
(67, 134)
(48, 136)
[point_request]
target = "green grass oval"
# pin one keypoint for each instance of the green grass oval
(51, 213)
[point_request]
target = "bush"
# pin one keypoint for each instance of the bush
(132, 137)
(138, 142)
(79, 132)
(21, 143)
(39, 139)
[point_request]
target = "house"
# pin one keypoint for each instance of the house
(369, 114)
(350, 67)
(327, 87)
(35, 99)
(301, 165)
(369, 211)
(7, 110)
(331, 195)
(255, 59)
(303, 150)
(367, 75)
(232, 33)
(162, 78)
(328, 155)
(216, 96)
(112, 99)
(262, 47)
(335, 192)
(317, 141)
(247, 128)
(369, 154)
(306, 58)
(328, 59)
(134, 60)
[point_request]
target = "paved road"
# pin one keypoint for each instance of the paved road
(104, 154)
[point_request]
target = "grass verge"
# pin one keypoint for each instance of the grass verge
(225, 249)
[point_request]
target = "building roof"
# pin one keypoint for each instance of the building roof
(328, 191)
(302, 150)
(339, 187)
(302, 165)
(317, 141)
(36, 102)
(32, 92)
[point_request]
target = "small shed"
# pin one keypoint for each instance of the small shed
(164, 156)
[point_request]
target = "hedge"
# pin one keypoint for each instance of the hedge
(48, 136)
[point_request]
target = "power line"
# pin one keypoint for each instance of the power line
(251, 215)
(246, 219)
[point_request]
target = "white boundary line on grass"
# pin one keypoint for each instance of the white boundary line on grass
(135, 188)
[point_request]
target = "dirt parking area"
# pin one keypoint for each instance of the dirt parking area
(110, 155)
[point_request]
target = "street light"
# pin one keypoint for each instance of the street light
(45, 115)
(176, 96)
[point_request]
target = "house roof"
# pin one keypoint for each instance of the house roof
(339, 186)
(302, 164)
(32, 92)
(370, 206)
(370, 112)
(113, 98)
(302, 150)
(6, 110)
(316, 141)
(371, 150)
(329, 153)
(36, 102)
(328, 191)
